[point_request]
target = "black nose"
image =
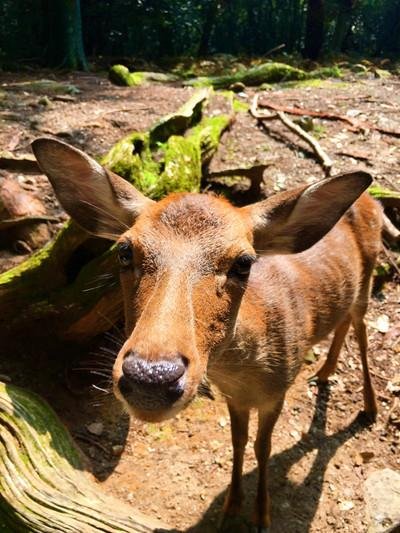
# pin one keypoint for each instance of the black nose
(152, 385)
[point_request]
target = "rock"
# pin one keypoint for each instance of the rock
(95, 428)
(117, 449)
(237, 87)
(382, 497)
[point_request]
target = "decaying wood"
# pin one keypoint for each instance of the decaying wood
(389, 231)
(24, 221)
(387, 197)
(241, 193)
(26, 164)
(72, 284)
(321, 155)
(44, 487)
(17, 203)
(355, 124)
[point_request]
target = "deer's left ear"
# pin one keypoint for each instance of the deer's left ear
(292, 221)
(97, 199)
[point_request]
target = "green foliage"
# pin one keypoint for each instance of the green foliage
(47, 31)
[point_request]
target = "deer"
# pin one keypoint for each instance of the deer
(235, 294)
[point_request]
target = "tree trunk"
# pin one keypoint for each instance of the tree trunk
(314, 36)
(210, 10)
(343, 22)
(43, 484)
(65, 35)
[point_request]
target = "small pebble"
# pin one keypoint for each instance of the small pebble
(95, 428)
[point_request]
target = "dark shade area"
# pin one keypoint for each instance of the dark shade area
(55, 33)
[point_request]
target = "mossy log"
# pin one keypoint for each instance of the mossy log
(264, 73)
(71, 286)
(387, 197)
(44, 486)
(120, 75)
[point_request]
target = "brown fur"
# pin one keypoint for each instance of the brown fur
(249, 335)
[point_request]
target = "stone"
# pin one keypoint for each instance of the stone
(382, 497)
(95, 428)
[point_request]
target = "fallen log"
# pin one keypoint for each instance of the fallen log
(72, 284)
(265, 73)
(44, 483)
(25, 165)
(120, 75)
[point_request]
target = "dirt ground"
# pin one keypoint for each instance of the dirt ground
(179, 470)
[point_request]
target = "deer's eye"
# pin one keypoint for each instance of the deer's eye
(125, 254)
(241, 267)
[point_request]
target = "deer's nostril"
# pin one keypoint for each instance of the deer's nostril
(152, 384)
(144, 372)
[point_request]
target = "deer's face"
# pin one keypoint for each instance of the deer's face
(184, 265)
(184, 268)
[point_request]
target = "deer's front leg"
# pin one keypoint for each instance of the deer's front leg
(262, 448)
(239, 429)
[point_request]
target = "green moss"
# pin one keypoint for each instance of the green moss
(120, 75)
(177, 123)
(46, 259)
(264, 73)
(160, 162)
(239, 106)
(380, 192)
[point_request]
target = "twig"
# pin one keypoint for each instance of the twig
(255, 112)
(21, 221)
(390, 233)
(24, 165)
(323, 157)
(275, 49)
(355, 124)
(390, 258)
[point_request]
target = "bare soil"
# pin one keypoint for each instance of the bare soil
(179, 470)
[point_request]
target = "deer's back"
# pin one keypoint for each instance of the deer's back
(294, 301)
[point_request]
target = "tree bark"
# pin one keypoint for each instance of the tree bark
(65, 47)
(314, 36)
(71, 286)
(43, 484)
(343, 22)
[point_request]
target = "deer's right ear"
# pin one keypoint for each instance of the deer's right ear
(98, 200)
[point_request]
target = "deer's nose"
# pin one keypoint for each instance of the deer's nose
(152, 385)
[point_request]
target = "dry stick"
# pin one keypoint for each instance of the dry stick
(21, 221)
(355, 124)
(390, 232)
(322, 156)
(392, 261)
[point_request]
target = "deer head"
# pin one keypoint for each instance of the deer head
(185, 264)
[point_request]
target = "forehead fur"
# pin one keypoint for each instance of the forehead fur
(193, 213)
(196, 219)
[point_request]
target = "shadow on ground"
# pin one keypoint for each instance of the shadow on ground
(293, 505)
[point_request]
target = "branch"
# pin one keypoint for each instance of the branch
(322, 156)
(355, 124)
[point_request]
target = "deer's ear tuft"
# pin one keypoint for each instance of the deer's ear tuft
(98, 200)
